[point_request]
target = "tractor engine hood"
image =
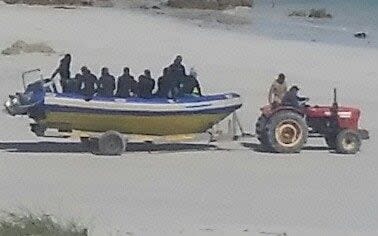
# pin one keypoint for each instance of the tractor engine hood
(324, 111)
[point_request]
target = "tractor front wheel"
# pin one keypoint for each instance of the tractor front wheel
(348, 142)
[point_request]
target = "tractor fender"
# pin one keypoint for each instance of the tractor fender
(285, 109)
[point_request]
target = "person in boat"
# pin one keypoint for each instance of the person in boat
(70, 86)
(145, 85)
(277, 90)
(176, 68)
(89, 83)
(106, 84)
(77, 81)
(73, 84)
(292, 99)
(126, 85)
(190, 85)
(163, 84)
(176, 74)
(64, 71)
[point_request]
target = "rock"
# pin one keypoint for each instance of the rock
(300, 13)
(199, 4)
(360, 35)
(231, 20)
(313, 13)
(103, 3)
(12, 1)
(142, 4)
(209, 4)
(234, 3)
(65, 7)
(21, 46)
(99, 3)
(236, 16)
(319, 13)
(144, 7)
(11, 51)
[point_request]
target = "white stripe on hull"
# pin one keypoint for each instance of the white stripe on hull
(120, 104)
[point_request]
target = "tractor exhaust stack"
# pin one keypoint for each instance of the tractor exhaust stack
(335, 105)
(334, 96)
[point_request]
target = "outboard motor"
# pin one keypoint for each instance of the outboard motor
(20, 103)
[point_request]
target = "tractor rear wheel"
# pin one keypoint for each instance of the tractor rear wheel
(111, 143)
(287, 132)
(260, 130)
(348, 142)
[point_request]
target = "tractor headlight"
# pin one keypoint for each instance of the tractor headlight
(15, 100)
(8, 103)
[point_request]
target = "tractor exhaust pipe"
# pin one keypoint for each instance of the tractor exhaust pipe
(335, 105)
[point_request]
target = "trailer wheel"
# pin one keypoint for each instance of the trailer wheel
(287, 132)
(348, 142)
(260, 130)
(111, 143)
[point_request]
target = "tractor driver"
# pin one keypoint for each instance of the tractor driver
(292, 99)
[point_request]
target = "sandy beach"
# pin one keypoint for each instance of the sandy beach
(239, 192)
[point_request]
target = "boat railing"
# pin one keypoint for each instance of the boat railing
(27, 73)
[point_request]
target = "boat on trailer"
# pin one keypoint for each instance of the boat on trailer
(154, 116)
(120, 116)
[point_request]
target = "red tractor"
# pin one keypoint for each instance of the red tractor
(285, 129)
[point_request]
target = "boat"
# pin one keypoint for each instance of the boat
(153, 116)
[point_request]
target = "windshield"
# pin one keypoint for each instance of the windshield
(31, 77)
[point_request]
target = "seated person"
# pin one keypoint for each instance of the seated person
(145, 85)
(106, 84)
(292, 99)
(76, 87)
(189, 84)
(88, 83)
(126, 86)
(71, 85)
(163, 84)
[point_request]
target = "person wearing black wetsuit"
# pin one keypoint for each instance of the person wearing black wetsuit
(126, 85)
(64, 71)
(190, 85)
(106, 84)
(145, 85)
(88, 83)
(292, 99)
